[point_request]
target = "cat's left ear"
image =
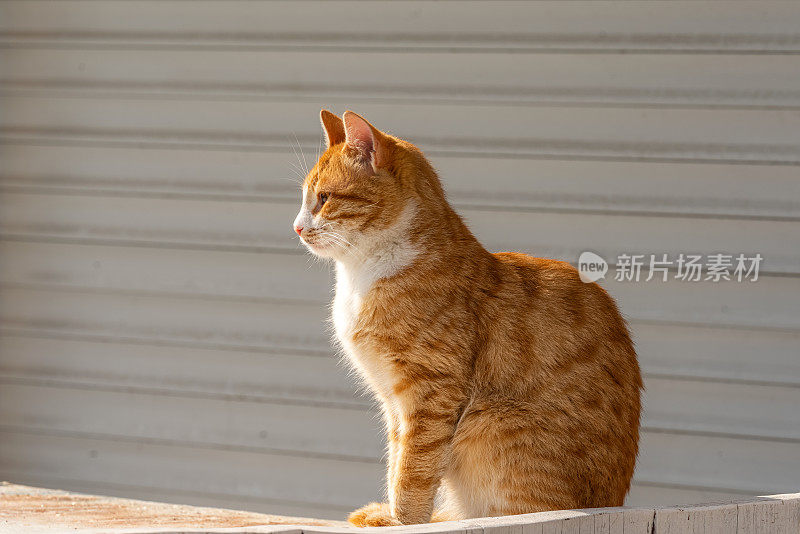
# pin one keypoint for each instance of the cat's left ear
(333, 127)
(369, 143)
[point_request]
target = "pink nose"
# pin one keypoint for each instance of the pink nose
(298, 229)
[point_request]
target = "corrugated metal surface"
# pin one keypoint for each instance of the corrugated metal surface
(163, 335)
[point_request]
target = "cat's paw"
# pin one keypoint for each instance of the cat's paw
(375, 514)
(443, 515)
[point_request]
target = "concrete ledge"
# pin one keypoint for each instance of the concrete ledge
(27, 509)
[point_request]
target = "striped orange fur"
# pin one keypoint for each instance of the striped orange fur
(506, 383)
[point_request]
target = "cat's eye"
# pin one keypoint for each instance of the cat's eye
(323, 198)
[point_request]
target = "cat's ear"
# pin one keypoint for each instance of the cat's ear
(333, 127)
(364, 139)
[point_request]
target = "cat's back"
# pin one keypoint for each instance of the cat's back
(548, 324)
(554, 287)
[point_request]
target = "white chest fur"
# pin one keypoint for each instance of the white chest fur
(381, 256)
(365, 358)
(346, 305)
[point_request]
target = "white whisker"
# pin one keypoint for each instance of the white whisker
(298, 173)
(294, 179)
(333, 237)
(300, 163)
(300, 147)
(341, 241)
(340, 236)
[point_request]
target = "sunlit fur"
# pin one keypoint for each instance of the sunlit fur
(504, 380)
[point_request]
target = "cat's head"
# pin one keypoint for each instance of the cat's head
(364, 192)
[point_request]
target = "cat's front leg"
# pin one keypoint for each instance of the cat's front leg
(380, 514)
(424, 448)
(416, 466)
(393, 435)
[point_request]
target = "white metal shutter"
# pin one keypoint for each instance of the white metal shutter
(162, 334)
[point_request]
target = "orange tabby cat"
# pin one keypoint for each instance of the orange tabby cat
(504, 380)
